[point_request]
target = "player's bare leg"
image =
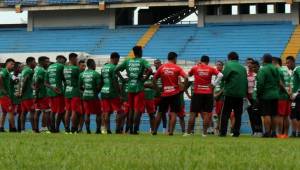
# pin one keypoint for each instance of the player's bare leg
(74, 118)
(172, 123)
(87, 124)
(67, 118)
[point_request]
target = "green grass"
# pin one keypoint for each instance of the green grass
(60, 151)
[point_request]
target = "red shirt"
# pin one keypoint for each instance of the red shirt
(169, 74)
(203, 74)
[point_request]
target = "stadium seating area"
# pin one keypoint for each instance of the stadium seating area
(188, 41)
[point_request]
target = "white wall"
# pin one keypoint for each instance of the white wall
(71, 18)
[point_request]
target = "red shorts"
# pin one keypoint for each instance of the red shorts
(27, 105)
(136, 101)
(111, 105)
(73, 104)
(6, 104)
(92, 106)
(150, 106)
(57, 104)
(17, 108)
(181, 114)
(219, 105)
(157, 101)
(284, 107)
(42, 104)
(125, 107)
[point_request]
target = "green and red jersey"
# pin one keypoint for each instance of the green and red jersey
(89, 80)
(149, 92)
(71, 76)
(54, 77)
(39, 81)
(6, 79)
(110, 80)
(135, 69)
(27, 92)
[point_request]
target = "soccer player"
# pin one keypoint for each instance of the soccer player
(40, 93)
(82, 67)
(157, 64)
(295, 115)
(15, 93)
(150, 102)
(218, 96)
(135, 68)
(110, 91)
(284, 104)
(27, 103)
(170, 97)
(202, 99)
(5, 95)
(268, 84)
(72, 93)
(235, 89)
(253, 109)
(54, 83)
(89, 81)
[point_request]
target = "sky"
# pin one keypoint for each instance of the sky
(11, 17)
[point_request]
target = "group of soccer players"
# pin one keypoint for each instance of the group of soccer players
(67, 92)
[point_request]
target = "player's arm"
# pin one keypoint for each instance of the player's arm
(119, 69)
(148, 71)
(187, 92)
(2, 85)
(185, 78)
(156, 76)
(48, 85)
(23, 83)
(260, 84)
(218, 78)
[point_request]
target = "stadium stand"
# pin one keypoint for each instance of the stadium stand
(249, 40)
(189, 41)
(293, 46)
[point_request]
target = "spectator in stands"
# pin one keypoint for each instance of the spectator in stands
(235, 89)
(268, 81)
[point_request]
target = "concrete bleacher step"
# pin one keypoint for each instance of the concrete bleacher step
(293, 46)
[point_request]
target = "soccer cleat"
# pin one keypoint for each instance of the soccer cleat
(13, 130)
(204, 135)
(187, 134)
(88, 131)
(266, 135)
(2, 129)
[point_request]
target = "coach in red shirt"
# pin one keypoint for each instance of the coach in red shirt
(202, 99)
(170, 97)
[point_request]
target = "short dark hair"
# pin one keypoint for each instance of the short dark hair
(90, 63)
(9, 60)
(81, 61)
(29, 60)
(233, 56)
(114, 55)
(255, 62)
(249, 58)
(43, 59)
(292, 58)
(172, 56)
(157, 60)
(219, 61)
(72, 55)
(137, 51)
(267, 58)
(61, 57)
(277, 60)
(205, 59)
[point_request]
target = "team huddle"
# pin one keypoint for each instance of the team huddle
(67, 92)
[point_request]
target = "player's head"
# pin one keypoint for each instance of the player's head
(30, 61)
(91, 64)
(61, 59)
(114, 58)
(73, 58)
(172, 57)
(255, 66)
(137, 51)
(290, 62)
(233, 56)
(267, 58)
(277, 61)
(81, 65)
(10, 64)
(44, 61)
(17, 68)
(219, 65)
(204, 59)
(249, 61)
(157, 64)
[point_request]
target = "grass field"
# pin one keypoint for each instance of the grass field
(60, 151)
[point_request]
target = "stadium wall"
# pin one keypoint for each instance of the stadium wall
(71, 18)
